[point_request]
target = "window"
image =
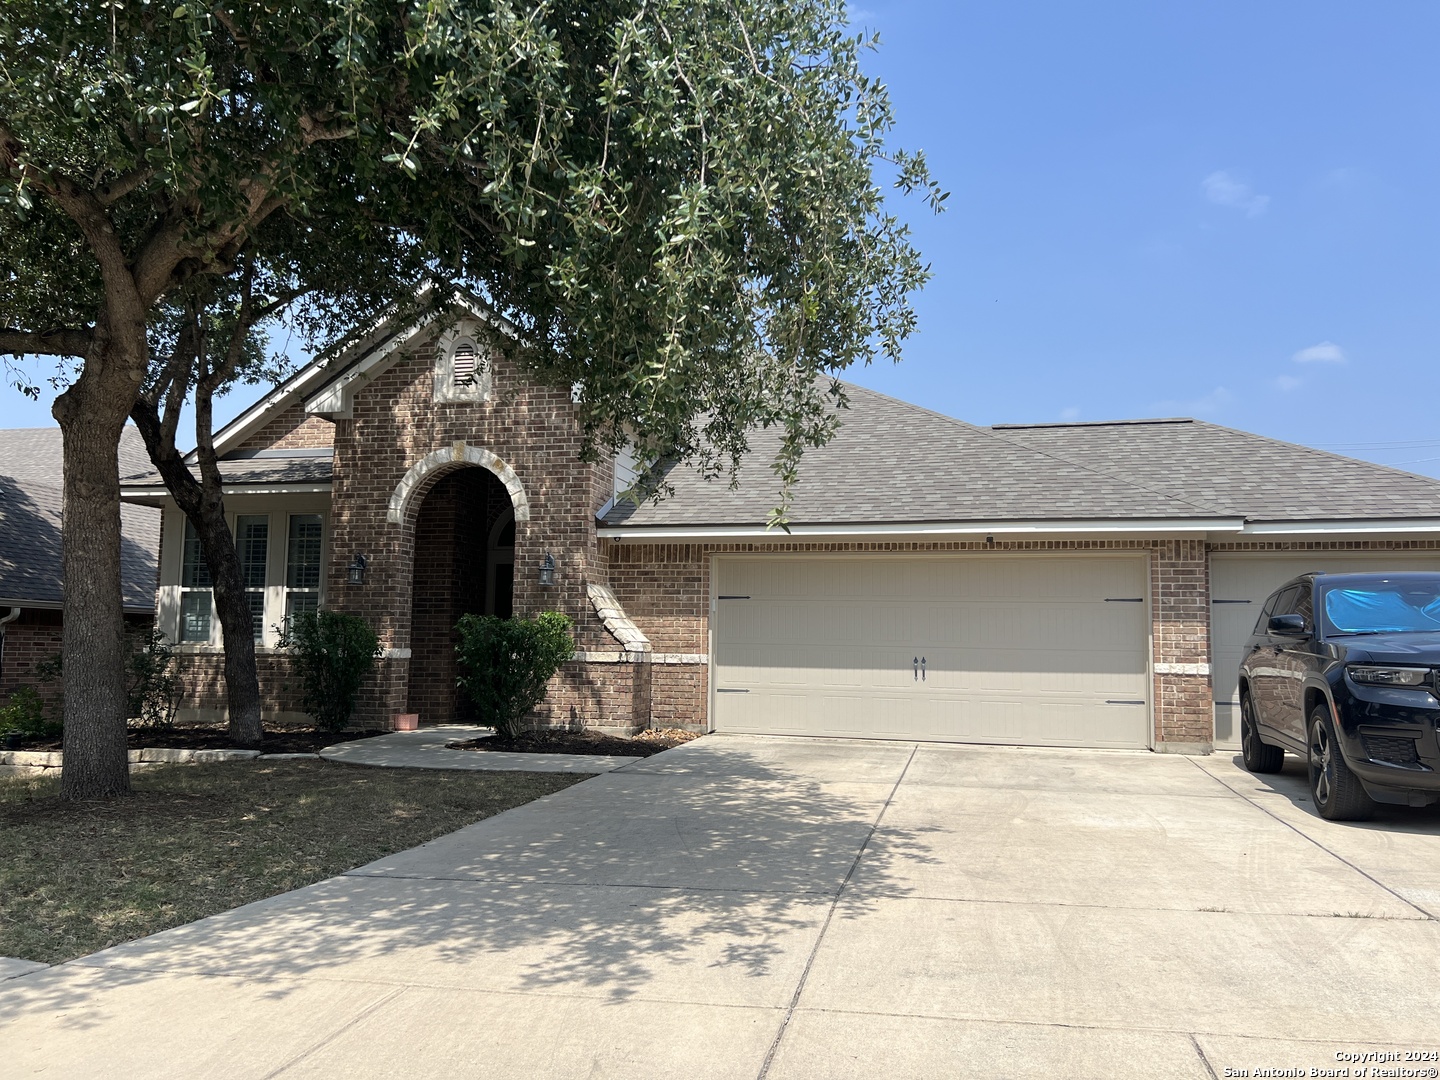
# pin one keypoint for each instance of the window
(302, 565)
(194, 588)
(252, 541)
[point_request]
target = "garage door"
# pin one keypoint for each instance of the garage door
(1239, 585)
(1026, 650)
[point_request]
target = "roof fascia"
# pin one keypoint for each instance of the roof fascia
(916, 530)
(1368, 526)
(138, 494)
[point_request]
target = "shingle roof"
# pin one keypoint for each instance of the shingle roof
(30, 504)
(893, 463)
(309, 468)
(1249, 475)
(898, 464)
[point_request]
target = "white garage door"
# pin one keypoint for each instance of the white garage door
(1026, 650)
(1239, 585)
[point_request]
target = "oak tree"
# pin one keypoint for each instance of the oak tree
(680, 205)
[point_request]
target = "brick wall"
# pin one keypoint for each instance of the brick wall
(34, 638)
(1180, 635)
(292, 429)
(396, 423)
(31, 639)
(202, 688)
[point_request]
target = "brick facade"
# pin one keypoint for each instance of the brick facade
(420, 483)
(32, 639)
(292, 430)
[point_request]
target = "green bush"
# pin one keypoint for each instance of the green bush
(152, 691)
(505, 664)
(24, 714)
(333, 653)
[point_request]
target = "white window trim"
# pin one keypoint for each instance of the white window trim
(168, 597)
(466, 332)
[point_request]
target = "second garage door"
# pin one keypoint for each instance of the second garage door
(1239, 585)
(1026, 650)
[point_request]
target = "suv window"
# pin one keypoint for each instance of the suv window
(1284, 605)
(1305, 604)
(1265, 610)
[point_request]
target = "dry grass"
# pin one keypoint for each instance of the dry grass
(199, 839)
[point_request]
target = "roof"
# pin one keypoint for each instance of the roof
(1250, 475)
(899, 466)
(30, 505)
(294, 470)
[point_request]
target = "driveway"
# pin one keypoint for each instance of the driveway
(773, 908)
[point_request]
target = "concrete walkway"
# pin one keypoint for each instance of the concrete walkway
(426, 749)
(778, 909)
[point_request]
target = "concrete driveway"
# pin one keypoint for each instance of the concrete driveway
(772, 908)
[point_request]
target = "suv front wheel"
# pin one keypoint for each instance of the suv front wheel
(1338, 793)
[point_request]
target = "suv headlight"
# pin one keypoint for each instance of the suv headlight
(1376, 675)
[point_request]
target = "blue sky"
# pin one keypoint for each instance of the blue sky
(1221, 210)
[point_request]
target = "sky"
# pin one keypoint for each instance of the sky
(1222, 210)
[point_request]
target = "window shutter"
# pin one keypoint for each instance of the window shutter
(464, 364)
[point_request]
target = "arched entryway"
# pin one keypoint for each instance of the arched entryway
(464, 560)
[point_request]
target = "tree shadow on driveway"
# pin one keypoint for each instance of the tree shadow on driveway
(702, 875)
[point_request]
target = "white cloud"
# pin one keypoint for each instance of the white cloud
(855, 14)
(1327, 352)
(1286, 383)
(1070, 413)
(1212, 402)
(1222, 189)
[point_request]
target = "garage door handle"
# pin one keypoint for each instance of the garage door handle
(915, 668)
(922, 669)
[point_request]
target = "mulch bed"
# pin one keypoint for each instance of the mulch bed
(580, 742)
(214, 737)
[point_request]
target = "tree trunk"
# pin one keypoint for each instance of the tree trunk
(93, 636)
(205, 508)
(232, 605)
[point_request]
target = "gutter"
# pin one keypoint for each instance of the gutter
(14, 614)
(841, 531)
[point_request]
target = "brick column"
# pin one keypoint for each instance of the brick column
(1180, 631)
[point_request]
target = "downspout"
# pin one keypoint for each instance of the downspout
(14, 614)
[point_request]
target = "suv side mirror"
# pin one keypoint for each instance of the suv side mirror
(1288, 625)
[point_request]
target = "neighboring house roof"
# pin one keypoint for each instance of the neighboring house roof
(30, 506)
(898, 467)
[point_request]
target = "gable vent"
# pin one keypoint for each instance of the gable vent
(464, 364)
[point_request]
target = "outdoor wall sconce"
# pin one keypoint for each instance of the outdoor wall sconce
(355, 572)
(547, 570)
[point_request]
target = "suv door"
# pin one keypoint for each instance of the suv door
(1264, 660)
(1294, 657)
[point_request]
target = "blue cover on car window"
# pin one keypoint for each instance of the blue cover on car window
(1353, 611)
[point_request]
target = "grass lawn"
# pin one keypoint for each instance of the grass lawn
(199, 839)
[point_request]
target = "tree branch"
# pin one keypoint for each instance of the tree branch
(46, 342)
(117, 189)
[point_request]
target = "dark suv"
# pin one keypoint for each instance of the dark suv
(1345, 669)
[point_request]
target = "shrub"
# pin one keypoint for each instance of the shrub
(153, 691)
(24, 714)
(333, 653)
(505, 664)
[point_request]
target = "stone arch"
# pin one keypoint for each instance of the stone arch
(458, 453)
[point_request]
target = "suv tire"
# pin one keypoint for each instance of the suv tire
(1338, 793)
(1260, 757)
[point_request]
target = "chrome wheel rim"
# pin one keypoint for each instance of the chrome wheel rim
(1321, 762)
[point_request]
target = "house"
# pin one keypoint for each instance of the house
(1082, 584)
(31, 578)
